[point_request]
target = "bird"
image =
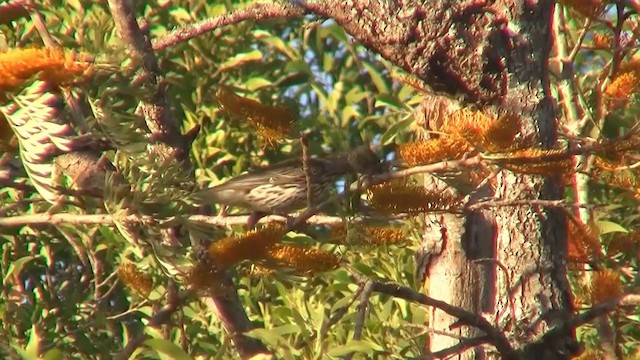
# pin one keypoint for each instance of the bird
(281, 188)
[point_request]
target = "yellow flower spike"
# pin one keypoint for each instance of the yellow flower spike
(53, 65)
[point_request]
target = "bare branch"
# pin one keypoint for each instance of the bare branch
(365, 295)
(578, 320)
(256, 12)
(157, 113)
(107, 219)
(495, 335)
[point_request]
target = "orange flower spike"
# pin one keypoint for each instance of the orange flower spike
(134, 279)
(54, 65)
(622, 86)
(380, 235)
(303, 258)
(250, 246)
(271, 122)
(398, 197)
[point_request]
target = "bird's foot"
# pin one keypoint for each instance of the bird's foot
(224, 211)
(253, 219)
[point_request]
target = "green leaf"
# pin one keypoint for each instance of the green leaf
(34, 341)
(389, 101)
(167, 349)
(269, 337)
(257, 83)
(377, 78)
(16, 266)
(240, 59)
(341, 303)
(275, 42)
(53, 354)
(609, 227)
(180, 15)
(336, 31)
(287, 329)
(353, 346)
(348, 113)
(394, 130)
(293, 79)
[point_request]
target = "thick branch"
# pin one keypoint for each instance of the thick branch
(255, 12)
(157, 113)
(494, 335)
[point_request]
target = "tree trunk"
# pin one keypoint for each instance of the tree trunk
(501, 262)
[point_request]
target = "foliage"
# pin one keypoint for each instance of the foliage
(91, 289)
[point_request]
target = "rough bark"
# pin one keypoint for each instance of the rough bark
(501, 262)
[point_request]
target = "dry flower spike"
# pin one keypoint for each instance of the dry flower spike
(586, 8)
(605, 286)
(583, 241)
(129, 274)
(398, 197)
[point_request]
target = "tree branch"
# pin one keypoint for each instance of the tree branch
(256, 12)
(495, 335)
(157, 113)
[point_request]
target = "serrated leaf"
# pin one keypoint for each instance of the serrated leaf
(167, 349)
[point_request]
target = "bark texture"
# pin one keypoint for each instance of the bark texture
(508, 264)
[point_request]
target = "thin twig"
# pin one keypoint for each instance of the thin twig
(364, 297)
(305, 167)
(160, 317)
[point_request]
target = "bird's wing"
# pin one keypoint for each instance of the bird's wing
(280, 173)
